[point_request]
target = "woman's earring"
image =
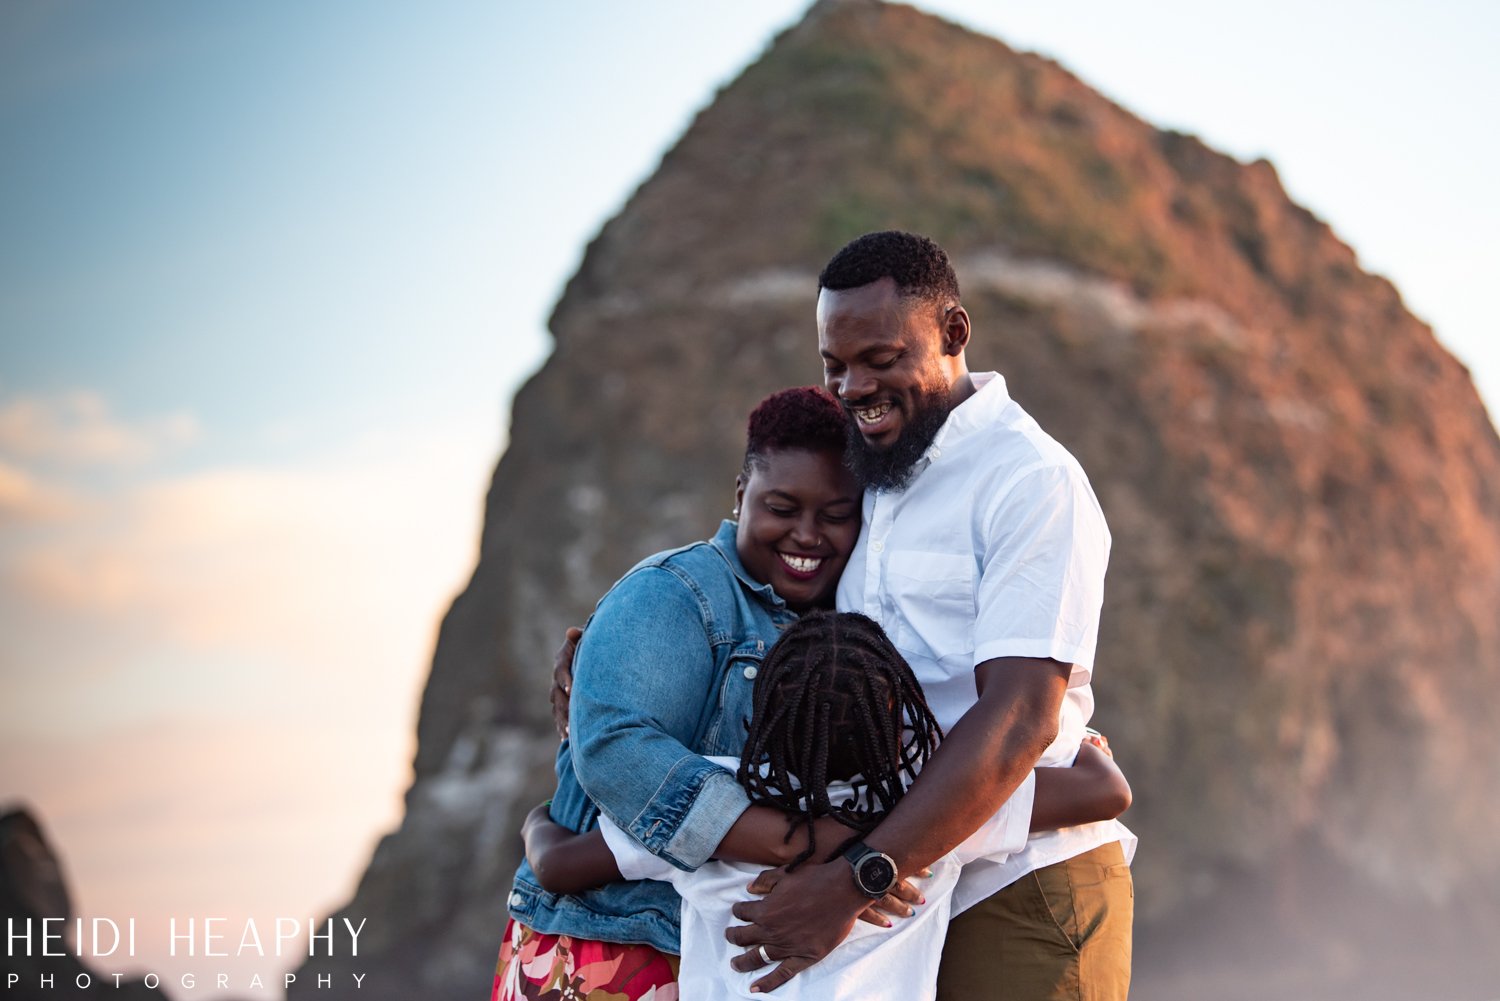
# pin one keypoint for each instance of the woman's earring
(736, 513)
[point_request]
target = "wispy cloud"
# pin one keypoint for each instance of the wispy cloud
(25, 497)
(321, 579)
(78, 428)
(253, 558)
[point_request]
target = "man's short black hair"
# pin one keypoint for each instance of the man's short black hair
(918, 266)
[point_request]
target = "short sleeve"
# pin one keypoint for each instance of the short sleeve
(1043, 554)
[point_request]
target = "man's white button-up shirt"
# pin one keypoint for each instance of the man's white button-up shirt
(996, 548)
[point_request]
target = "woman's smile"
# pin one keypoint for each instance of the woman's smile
(798, 521)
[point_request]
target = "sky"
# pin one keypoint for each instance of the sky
(270, 274)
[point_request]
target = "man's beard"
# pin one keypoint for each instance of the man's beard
(892, 468)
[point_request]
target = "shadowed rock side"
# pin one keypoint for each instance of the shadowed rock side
(32, 888)
(1300, 647)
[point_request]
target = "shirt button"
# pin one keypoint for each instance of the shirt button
(877, 546)
(516, 900)
(750, 673)
(937, 453)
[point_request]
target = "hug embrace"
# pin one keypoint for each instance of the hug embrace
(897, 799)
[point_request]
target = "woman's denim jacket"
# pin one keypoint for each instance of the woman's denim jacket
(663, 676)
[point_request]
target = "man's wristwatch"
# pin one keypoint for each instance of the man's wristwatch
(874, 872)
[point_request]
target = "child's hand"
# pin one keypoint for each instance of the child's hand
(1092, 736)
(538, 822)
(540, 814)
(901, 902)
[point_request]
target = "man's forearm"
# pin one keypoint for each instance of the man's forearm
(981, 761)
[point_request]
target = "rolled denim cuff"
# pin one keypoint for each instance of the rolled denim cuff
(717, 806)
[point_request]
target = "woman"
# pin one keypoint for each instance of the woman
(663, 676)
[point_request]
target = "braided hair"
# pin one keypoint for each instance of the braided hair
(835, 700)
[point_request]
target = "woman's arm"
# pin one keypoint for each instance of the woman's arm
(644, 675)
(757, 834)
(564, 862)
(1093, 789)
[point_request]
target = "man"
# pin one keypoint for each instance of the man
(982, 554)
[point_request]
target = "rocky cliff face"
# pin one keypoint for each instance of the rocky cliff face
(33, 889)
(1301, 644)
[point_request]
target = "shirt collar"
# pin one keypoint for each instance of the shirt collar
(723, 541)
(979, 411)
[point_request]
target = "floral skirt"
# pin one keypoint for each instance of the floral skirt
(563, 968)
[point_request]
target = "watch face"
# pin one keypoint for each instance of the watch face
(876, 875)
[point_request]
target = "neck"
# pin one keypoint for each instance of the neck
(962, 388)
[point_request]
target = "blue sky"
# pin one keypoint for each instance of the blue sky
(269, 273)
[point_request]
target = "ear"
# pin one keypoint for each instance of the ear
(739, 492)
(955, 330)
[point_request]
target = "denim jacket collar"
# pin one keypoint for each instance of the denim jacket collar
(724, 542)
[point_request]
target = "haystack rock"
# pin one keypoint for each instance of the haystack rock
(1300, 658)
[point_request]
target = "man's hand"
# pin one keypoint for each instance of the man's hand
(901, 902)
(562, 679)
(803, 917)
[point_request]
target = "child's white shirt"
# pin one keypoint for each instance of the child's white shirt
(897, 962)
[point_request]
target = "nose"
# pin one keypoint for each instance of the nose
(855, 384)
(805, 531)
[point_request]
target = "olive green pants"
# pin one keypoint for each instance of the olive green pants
(1061, 932)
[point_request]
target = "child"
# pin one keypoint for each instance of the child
(839, 728)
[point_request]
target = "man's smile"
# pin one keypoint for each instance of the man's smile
(871, 415)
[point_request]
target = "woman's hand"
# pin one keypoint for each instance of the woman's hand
(562, 679)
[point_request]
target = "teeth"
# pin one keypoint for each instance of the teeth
(801, 564)
(870, 415)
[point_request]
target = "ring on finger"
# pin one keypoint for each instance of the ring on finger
(765, 957)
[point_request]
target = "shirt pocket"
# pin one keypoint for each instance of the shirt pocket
(933, 597)
(730, 713)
